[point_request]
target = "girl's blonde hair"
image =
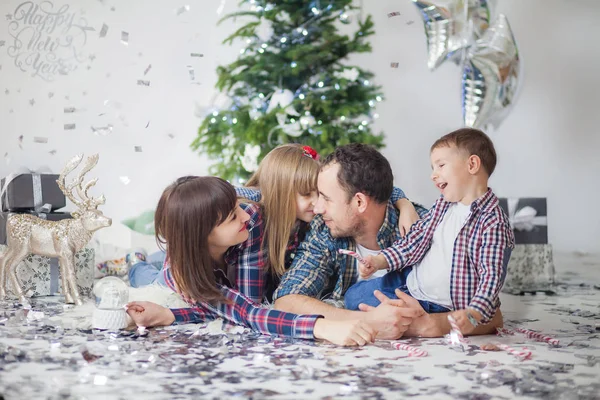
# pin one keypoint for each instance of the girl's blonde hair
(287, 169)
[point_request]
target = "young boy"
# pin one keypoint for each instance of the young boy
(455, 257)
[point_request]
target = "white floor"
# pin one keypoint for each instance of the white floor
(56, 357)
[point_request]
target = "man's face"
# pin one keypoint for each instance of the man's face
(339, 213)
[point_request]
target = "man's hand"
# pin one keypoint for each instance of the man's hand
(463, 321)
(372, 265)
(392, 317)
(408, 216)
(148, 314)
(344, 333)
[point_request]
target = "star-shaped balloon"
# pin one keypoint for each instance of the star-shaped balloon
(491, 76)
(451, 26)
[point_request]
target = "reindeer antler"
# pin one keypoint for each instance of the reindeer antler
(68, 189)
(86, 202)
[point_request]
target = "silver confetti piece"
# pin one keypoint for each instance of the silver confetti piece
(69, 127)
(40, 139)
(125, 180)
(102, 130)
(125, 38)
(32, 101)
(138, 149)
(104, 30)
(191, 71)
(221, 7)
(393, 14)
(143, 82)
(394, 65)
(171, 135)
(69, 110)
(52, 152)
(196, 55)
(147, 69)
(410, 22)
(182, 9)
(148, 124)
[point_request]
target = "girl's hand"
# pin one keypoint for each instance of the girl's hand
(148, 314)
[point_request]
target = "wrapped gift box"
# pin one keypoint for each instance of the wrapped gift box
(31, 192)
(528, 218)
(40, 275)
(57, 216)
(530, 270)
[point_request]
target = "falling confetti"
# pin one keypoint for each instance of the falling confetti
(92, 57)
(148, 124)
(6, 91)
(171, 135)
(141, 82)
(191, 72)
(21, 142)
(50, 95)
(147, 69)
(69, 127)
(394, 65)
(32, 102)
(104, 30)
(2, 43)
(40, 139)
(52, 152)
(102, 130)
(8, 17)
(138, 149)
(221, 7)
(182, 9)
(125, 180)
(69, 110)
(125, 38)
(410, 22)
(196, 55)
(393, 14)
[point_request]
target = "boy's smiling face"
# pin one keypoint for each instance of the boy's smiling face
(450, 172)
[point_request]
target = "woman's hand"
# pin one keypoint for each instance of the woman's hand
(344, 333)
(148, 314)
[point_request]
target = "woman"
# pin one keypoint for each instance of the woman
(206, 232)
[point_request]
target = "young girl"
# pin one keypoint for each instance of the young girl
(286, 186)
(206, 232)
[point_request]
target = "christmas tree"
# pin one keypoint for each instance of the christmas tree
(292, 85)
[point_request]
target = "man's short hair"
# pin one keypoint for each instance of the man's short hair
(363, 169)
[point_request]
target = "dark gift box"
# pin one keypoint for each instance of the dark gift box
(31, 192)
(528, 218)
(50, 217)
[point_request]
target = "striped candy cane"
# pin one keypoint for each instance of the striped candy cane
(520, 354)
(538, 336)
(504, 332)
(353, 254)
(456, 335)
(412, 351)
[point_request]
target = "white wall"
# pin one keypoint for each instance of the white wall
(546, 145)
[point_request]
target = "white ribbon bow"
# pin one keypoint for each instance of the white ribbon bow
(524, 219)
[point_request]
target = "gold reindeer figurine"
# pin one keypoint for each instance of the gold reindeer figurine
(62, 239)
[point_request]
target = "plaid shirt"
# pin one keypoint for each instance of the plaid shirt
(245, 266)
(481, 253)
(318, 269)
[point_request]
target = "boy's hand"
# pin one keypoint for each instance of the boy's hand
(372, 264)
(408, 216)
(465, 320)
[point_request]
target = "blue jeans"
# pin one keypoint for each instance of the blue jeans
(362, 292)
(147, 272)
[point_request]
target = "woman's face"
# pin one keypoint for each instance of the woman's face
(304, 206)
(232, 231)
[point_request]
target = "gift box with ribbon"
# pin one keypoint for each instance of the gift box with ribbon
(40, 275)
(25, 190)
(528, 218)
(530, 269)
(57, 216)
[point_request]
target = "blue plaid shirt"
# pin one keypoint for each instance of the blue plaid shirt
(318, 269)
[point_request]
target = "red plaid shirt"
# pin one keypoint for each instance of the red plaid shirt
(481, 253)
(244, 286)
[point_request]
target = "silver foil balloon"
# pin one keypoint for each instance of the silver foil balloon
(451, 26)
(491, 77)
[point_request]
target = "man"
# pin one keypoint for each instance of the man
(355, 183)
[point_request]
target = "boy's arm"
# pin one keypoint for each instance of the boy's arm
(494, 254)
(253, 194)
(410, 249)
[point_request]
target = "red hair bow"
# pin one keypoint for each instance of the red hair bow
(310, 152)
